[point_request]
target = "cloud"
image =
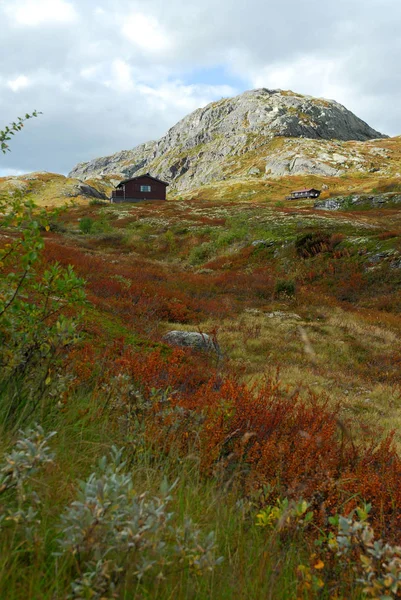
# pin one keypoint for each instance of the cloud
(110, 75)
(145, 32)
(33, 13)
(19, 83)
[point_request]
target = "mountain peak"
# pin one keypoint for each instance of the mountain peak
(201, 147)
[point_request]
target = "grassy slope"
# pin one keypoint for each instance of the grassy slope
(350, 317)
(50, 189)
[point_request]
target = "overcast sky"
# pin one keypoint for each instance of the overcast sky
(110, 75)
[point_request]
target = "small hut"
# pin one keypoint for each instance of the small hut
(306, 193)
(137, 189)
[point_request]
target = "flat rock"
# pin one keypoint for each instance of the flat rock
(192, 339)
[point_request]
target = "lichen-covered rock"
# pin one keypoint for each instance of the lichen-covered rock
(192, 339)
(358, 201)
(209, 144)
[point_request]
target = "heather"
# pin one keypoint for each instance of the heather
(133, 469)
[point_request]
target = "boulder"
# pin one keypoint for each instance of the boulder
(194, 340)
(266, 243)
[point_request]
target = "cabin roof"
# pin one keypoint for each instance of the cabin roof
(140, 177)
(305, 190)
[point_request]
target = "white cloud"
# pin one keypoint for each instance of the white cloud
(19, 83)
(32, 13)
(122, 78)
(183, 97)
(145, 32)
(10, 172)
(311, 75)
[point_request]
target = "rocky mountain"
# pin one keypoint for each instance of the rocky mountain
(251, 134)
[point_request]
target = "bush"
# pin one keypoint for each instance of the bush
(34, 300)
(21, 505)
(98, 202)
(109, 533)
(129, 532)
(34, 329)
(200, 254)
(86, 224)
(350, 555)
(285, 287)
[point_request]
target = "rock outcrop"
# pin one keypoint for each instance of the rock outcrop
(226, 138)
(356, 201)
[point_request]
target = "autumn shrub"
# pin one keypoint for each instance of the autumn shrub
(387, 235)
(313, 243)
(263, 436)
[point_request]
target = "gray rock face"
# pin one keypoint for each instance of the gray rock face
(88, 190)
(289, 164)
(192, 339)
(358, 200)
(204, 146)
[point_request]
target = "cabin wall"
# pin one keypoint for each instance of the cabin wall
(133, 189)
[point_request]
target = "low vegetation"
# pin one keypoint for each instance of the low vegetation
(131, 469)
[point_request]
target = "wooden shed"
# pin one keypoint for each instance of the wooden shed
(137, 189)
(306, 193)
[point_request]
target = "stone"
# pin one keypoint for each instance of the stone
(279, 314)
(254, 171)
(266, 243)
(192, 339)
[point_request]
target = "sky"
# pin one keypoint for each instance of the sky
(110, 75)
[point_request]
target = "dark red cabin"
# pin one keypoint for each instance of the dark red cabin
(143, 187)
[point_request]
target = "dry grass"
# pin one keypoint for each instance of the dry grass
(328, 352)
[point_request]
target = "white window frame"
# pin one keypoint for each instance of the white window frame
(146, 188)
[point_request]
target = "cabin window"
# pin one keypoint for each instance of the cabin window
(145, 188)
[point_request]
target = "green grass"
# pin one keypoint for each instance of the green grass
(256, 563)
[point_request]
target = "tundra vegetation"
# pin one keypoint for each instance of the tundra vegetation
(132, 469)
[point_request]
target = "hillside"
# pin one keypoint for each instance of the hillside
(248, 136)
(52, 189)
(262, 461)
